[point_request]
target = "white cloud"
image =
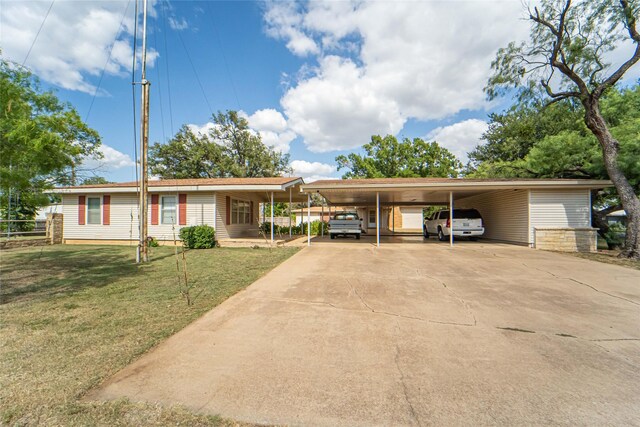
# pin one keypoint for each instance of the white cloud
(268, 120)
(338, 108)
(112, 159)
(283, 22)
(75, 40)
(178, 23)
(312, 169)
(269, 124)
(383, 63)
(278, 141)
(459, 138)
(202, 129)
(272, 127)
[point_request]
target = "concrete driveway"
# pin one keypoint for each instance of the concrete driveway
(411, 334)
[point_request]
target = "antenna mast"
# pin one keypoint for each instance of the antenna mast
(143, 246)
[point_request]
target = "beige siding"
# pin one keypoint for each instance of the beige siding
(124, 218)
(200, 207)
(123, 226)
(505, 214)
(227, 231)
(560, 208)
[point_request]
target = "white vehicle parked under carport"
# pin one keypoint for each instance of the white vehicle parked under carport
(466, 223)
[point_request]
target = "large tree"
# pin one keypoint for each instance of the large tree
(566, 57)
(386, 157)
(538, 141)
(229, 149)
(42, 140)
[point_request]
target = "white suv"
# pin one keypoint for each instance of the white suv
(466, 223)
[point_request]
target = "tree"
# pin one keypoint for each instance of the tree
(96, 180)
(230, 149)
(386, 157)
(41, 139)
(568, 150)
(565, 58)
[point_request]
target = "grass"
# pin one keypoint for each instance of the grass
(71, 316)
(608, 257)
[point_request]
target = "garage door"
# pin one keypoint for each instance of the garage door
(411, 218)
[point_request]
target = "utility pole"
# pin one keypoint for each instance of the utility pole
(143, 246)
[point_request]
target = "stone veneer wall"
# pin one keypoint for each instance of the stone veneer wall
(566, 239)
(54, 227)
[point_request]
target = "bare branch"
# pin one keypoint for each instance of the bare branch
(630, 22)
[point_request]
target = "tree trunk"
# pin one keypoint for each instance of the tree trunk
(630, 202)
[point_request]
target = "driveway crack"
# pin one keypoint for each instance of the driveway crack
(370, 310)
(405, 390)
(583, 284)
(453, 293)
(355, 291)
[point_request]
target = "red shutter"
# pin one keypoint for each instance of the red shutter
(228, 199)
(82, 210)
(106, 210)
(154, 209)
(251, 212)
(182, 208)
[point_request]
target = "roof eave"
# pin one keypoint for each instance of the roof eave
(591, 184)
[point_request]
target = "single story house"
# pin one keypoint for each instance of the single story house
(108, 213)
(541, 213)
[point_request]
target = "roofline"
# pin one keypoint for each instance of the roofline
(461, 184)
(174, 188)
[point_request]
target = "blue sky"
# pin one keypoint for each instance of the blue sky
(316, 79)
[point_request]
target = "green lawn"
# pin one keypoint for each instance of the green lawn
(71, 316)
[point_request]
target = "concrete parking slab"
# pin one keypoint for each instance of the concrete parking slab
(409, 334)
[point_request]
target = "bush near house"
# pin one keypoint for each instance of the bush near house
(316, 228)
(198, 237)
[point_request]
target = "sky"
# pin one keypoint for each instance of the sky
(315, 79)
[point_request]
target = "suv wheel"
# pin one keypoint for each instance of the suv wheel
(425, 233)
(441, 235)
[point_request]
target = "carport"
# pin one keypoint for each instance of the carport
(536, 212)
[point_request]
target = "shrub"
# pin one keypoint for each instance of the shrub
(615, 235)
(198, 237)
(152, 242)
(316, 228)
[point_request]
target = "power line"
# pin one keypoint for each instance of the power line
(108, 59)
(166, 54)
(133, 97)
(155, 41)
(195, 72)
(224, 56)
(38, 33)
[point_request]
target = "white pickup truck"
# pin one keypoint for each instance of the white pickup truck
(466, 223)
(345, 224)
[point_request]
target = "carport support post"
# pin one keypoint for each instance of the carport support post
(289, 212)
(450, 218)
(308, 219)
(322, 219)
(272, 217)
(377, 218)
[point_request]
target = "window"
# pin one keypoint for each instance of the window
(240, 212)
(372, 216)
(168, 210)
(347, 216)
(93, 210)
